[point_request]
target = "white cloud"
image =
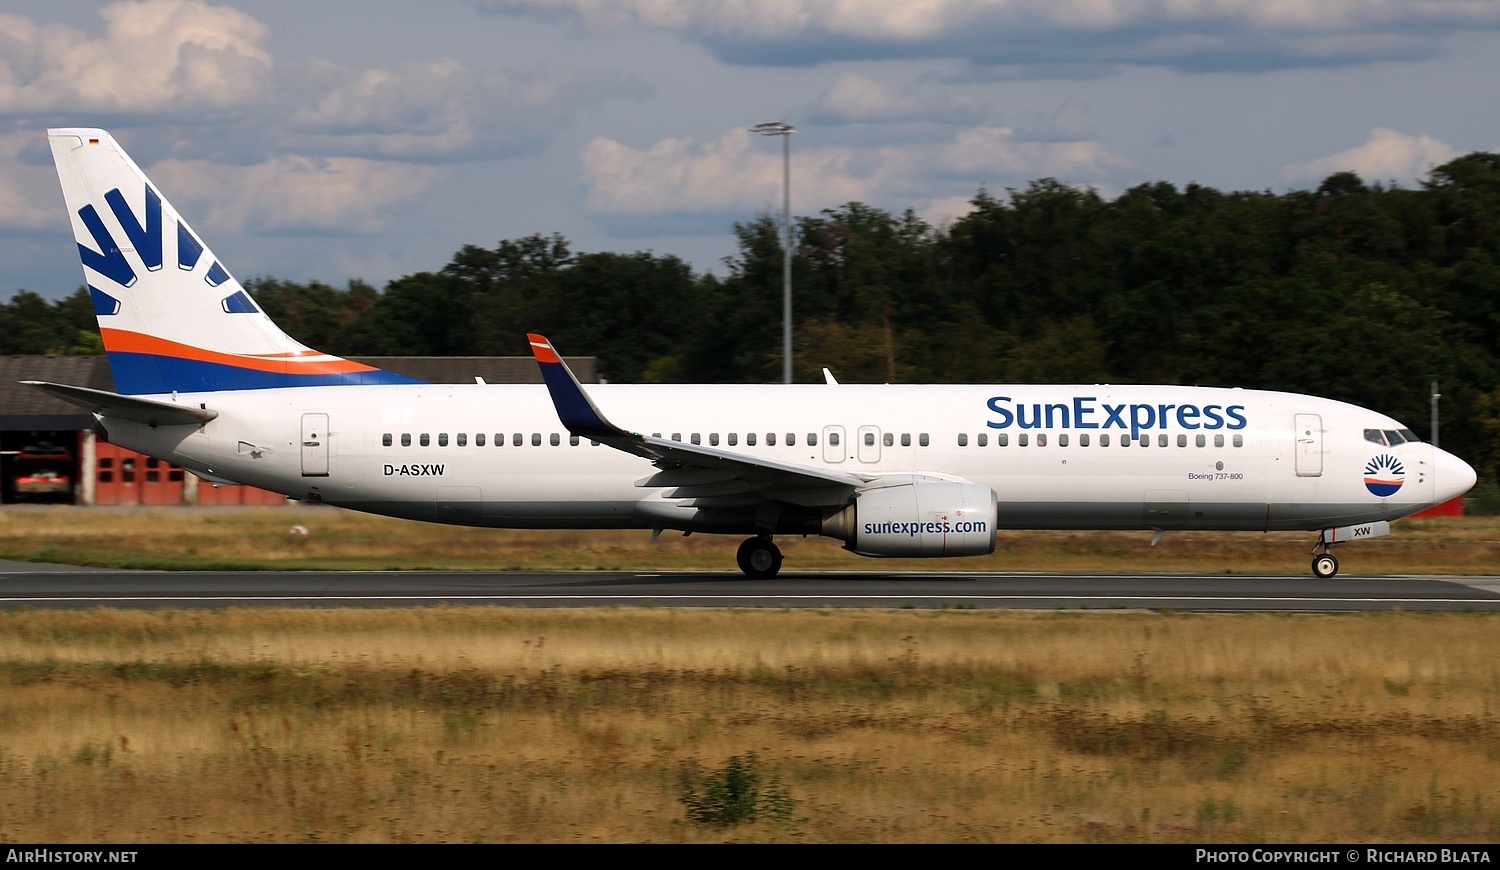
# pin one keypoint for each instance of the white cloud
(441, 110)
(163, 57)
(1386, 156)
(291, 194)
(29, 197)
(944, 210)
(854, 98)
(1190, 34)
(728, 176)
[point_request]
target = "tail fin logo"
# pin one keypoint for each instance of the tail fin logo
(189, 328)
(145, 238)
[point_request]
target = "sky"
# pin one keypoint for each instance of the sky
(370, 139)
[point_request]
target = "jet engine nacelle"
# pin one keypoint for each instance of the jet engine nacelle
(938, 518)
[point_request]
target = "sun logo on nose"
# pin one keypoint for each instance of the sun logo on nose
(1384, 475)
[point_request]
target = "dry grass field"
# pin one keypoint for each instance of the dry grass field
(501, 725)
(257, 538)
(505, 725)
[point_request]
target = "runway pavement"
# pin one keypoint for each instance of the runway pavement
(67, 587)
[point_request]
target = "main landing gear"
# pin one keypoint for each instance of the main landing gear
(759, 558)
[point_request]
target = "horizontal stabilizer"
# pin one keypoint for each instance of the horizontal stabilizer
(106, 404)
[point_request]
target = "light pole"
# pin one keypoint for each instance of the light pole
(785, 131)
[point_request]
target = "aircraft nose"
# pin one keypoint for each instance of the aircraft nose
(1454, 476)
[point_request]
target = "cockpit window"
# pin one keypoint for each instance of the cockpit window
(1376, 436)
(1410, 436)
(1394, 437)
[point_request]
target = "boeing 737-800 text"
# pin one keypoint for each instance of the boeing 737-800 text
(205, 380)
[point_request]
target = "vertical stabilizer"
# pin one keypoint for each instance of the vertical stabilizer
(171, 316)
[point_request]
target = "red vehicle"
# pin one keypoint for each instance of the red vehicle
(43, 473)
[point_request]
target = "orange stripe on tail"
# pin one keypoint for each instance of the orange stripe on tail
(124, 341)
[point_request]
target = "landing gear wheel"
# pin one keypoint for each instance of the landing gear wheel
(759, 558)
(1324, 566)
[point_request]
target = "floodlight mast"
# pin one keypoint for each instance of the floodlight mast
(785, 131)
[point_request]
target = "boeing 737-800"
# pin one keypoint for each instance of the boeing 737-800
(205, 380)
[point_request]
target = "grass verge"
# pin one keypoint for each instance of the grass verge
(610, 725)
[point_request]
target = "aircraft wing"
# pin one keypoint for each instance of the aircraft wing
(707, 474)
(152, 412)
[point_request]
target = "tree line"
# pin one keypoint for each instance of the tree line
(1356, 291)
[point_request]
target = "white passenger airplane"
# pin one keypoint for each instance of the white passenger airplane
(206, 380)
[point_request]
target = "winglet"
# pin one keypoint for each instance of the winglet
(574, 408)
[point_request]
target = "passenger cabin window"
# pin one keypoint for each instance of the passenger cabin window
(442, 439)
(1201, 440)
(424, 439)
(889, 439)
(1022, 440)
(405, 439)
(1218, 440)
(536, 439)
(696, 438)
(1161, 440)
(923, 439)
(833, 439)
(1062, 440)
(984, 439)
(517, 439)
(749, 439)
(812, 439)
(1083, 440)
(385, 439)
(1104, 440)
(869, 439)
(572, 440)
(479, 440)
(461, 439)
(905, 439)
(963, 439)
(1002, 440)
(1239, 440)
(555, 439)
(732, 438)
(791, 439)
(1041, 439)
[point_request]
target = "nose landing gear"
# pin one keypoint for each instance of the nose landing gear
(1324, 564)
(759, 558)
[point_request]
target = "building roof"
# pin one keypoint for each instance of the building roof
(24, 408)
